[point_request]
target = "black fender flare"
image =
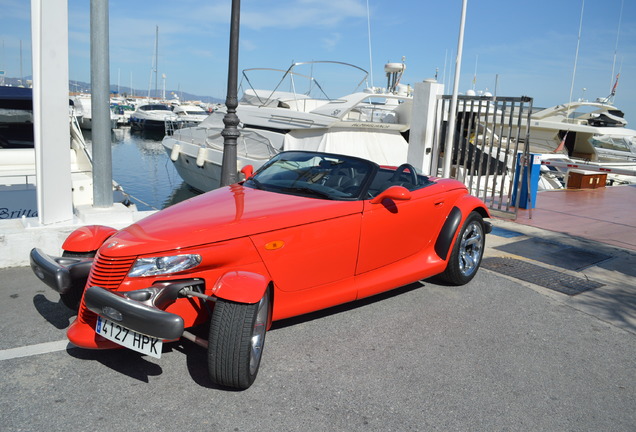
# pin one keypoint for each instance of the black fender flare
(447, 233)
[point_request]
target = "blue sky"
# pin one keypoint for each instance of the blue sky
(529, 45)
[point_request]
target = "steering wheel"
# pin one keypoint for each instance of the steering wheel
(400, 170)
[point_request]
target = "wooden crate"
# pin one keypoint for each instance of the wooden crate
(580, 179)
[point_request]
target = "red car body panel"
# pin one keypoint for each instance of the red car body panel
(88, 238)
(223, 214)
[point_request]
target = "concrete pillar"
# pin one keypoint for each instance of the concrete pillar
(422, 134)
(49, 36)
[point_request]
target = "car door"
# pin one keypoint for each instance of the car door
(395, 229)
(312, 255)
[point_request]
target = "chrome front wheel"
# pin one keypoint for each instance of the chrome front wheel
(471, 248)
(467, 252)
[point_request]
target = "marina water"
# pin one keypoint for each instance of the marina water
(144, 170)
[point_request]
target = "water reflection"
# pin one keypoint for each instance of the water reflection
(142, 167)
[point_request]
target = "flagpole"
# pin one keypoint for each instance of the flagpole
(450, 136)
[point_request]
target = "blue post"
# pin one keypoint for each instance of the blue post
(529, 171)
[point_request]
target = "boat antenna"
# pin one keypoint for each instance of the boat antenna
(475, 75)
(444, 73)
(21, 72)
(576, 58)
(369, 37)
(494, 96)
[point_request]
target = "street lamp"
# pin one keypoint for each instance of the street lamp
(231, 133)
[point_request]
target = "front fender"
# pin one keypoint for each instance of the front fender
(88, 238)
(469, 203)
(241, 286)
(462, 208)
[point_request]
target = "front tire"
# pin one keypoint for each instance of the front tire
(467, 252)
(236, 342)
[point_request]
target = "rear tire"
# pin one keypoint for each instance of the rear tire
(73, 298)
(467, 252)
(236, 342)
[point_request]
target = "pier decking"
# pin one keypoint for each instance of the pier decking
(606, 215)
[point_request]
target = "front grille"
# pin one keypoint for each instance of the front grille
(107, 273)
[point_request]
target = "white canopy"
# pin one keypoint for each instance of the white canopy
(386, 148)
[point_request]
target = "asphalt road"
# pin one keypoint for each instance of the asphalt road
(495, 355)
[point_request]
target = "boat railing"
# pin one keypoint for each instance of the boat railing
(292, 77)
(14, 179)
(170, 125)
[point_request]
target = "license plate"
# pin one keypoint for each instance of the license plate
(128, 338)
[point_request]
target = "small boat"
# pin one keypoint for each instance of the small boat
(82, 104)
(300, 113)
(122, 111)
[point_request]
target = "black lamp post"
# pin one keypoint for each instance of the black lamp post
(230, 132)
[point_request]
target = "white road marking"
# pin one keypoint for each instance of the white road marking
(31, 350)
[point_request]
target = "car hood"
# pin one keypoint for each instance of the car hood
(222, 214)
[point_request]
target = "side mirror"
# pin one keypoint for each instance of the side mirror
(396, 193)
(247, 171)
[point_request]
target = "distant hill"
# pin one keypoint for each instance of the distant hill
(83, 87)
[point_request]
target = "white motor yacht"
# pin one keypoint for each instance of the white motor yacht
(302, 112)
(592, 131)
(189, 115)
(152, 117)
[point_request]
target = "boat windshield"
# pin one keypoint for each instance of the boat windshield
(616, 143)
(316, 80)
(154, 107)
(314, 175)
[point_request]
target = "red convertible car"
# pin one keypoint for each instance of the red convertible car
(307, 231)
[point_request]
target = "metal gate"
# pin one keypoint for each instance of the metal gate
(491, 143)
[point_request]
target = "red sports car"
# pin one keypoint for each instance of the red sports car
(307, 231)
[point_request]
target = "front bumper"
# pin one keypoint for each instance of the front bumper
(144, 315)
(63, 274)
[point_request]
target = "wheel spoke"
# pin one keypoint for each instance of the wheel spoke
(470, 248)
(474, 240)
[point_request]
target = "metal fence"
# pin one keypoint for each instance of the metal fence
(489, 148)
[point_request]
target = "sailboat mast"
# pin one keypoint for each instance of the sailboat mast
(618, 32)
(369, 37)
(576, 57)
(156, 60)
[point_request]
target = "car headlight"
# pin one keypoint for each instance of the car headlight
(164, 265)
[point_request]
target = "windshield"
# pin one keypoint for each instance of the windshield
(617, 143)
(315, 175)
(155, 107)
